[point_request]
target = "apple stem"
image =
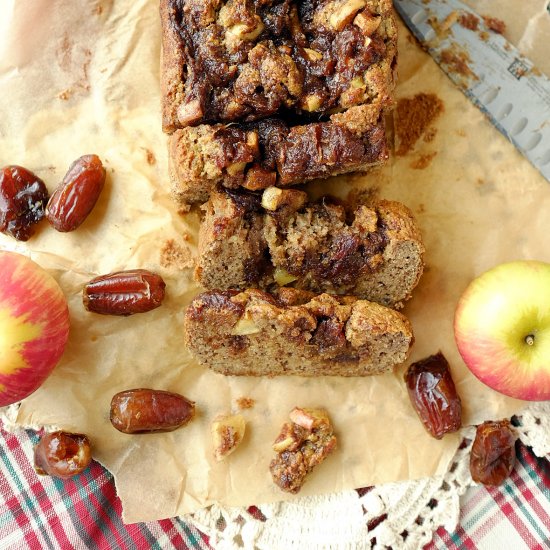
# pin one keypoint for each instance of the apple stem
(530, 339)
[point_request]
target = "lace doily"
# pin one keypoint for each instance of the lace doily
(396, 515)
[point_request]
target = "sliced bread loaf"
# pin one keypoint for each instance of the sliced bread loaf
(295, 332)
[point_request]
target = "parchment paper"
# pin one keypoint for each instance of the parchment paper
(83, 77)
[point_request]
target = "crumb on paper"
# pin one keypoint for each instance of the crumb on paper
(429, 135)
(245, 403)
(457, 61)
(151, 159)
(469, 21)
(495, 24)
(423, 161)
(421, 208)
(460, 132)
(65, 95)
(414, 116)
(175, 255)
(98, 10)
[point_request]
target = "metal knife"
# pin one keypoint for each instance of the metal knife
(502, 82)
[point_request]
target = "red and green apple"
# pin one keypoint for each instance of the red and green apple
(34, 326)
(502, 329)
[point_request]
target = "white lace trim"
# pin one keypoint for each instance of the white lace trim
(396, 515)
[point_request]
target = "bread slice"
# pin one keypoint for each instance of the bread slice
(372, 251)
(294, 332)
(257, 155)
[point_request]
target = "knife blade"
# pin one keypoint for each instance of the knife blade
(492, 73)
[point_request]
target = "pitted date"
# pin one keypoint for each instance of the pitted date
(124, 292)
(62, 454)
(493, 452)
(147, 411)
(23, 198)
(433, 395)
(74, 199)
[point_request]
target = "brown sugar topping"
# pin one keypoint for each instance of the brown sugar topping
(414, 116)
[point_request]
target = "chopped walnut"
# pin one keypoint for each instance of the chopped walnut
(343, 14)
(274, 199)
(227, 433)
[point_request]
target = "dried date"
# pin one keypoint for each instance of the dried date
(124, 292)
(148, 411)
(493, 452)
(62, 454)
(74, 199)
(433, 395)
(23, 197)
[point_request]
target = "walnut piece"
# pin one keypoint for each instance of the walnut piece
(227, 433)
(274, 198)
(343, 14)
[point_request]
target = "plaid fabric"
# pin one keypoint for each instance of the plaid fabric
(84, 512)
(515, 515)
(38, 512)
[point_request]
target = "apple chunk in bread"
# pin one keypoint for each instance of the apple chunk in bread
(502, 329)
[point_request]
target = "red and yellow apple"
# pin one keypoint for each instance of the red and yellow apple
(34, 326)
(502, 329)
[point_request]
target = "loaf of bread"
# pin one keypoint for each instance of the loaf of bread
(260, 93)
(371, 251)
(294, 332)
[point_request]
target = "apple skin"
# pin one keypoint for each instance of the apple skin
(34, 326)
(502, 329)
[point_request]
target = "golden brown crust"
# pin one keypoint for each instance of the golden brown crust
(254, 333)
(243, 60)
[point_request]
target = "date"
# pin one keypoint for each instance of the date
(62, 454)
(23, 198)
(148, 411)
(124, 292)
(493, 452)
(76, 196)
(433, 395)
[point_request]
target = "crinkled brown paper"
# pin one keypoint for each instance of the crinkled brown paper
(83, 77)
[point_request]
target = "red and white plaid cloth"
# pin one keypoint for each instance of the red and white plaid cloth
(84, 512)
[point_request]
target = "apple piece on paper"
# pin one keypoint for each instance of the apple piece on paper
(34, 326)
(502, 329)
